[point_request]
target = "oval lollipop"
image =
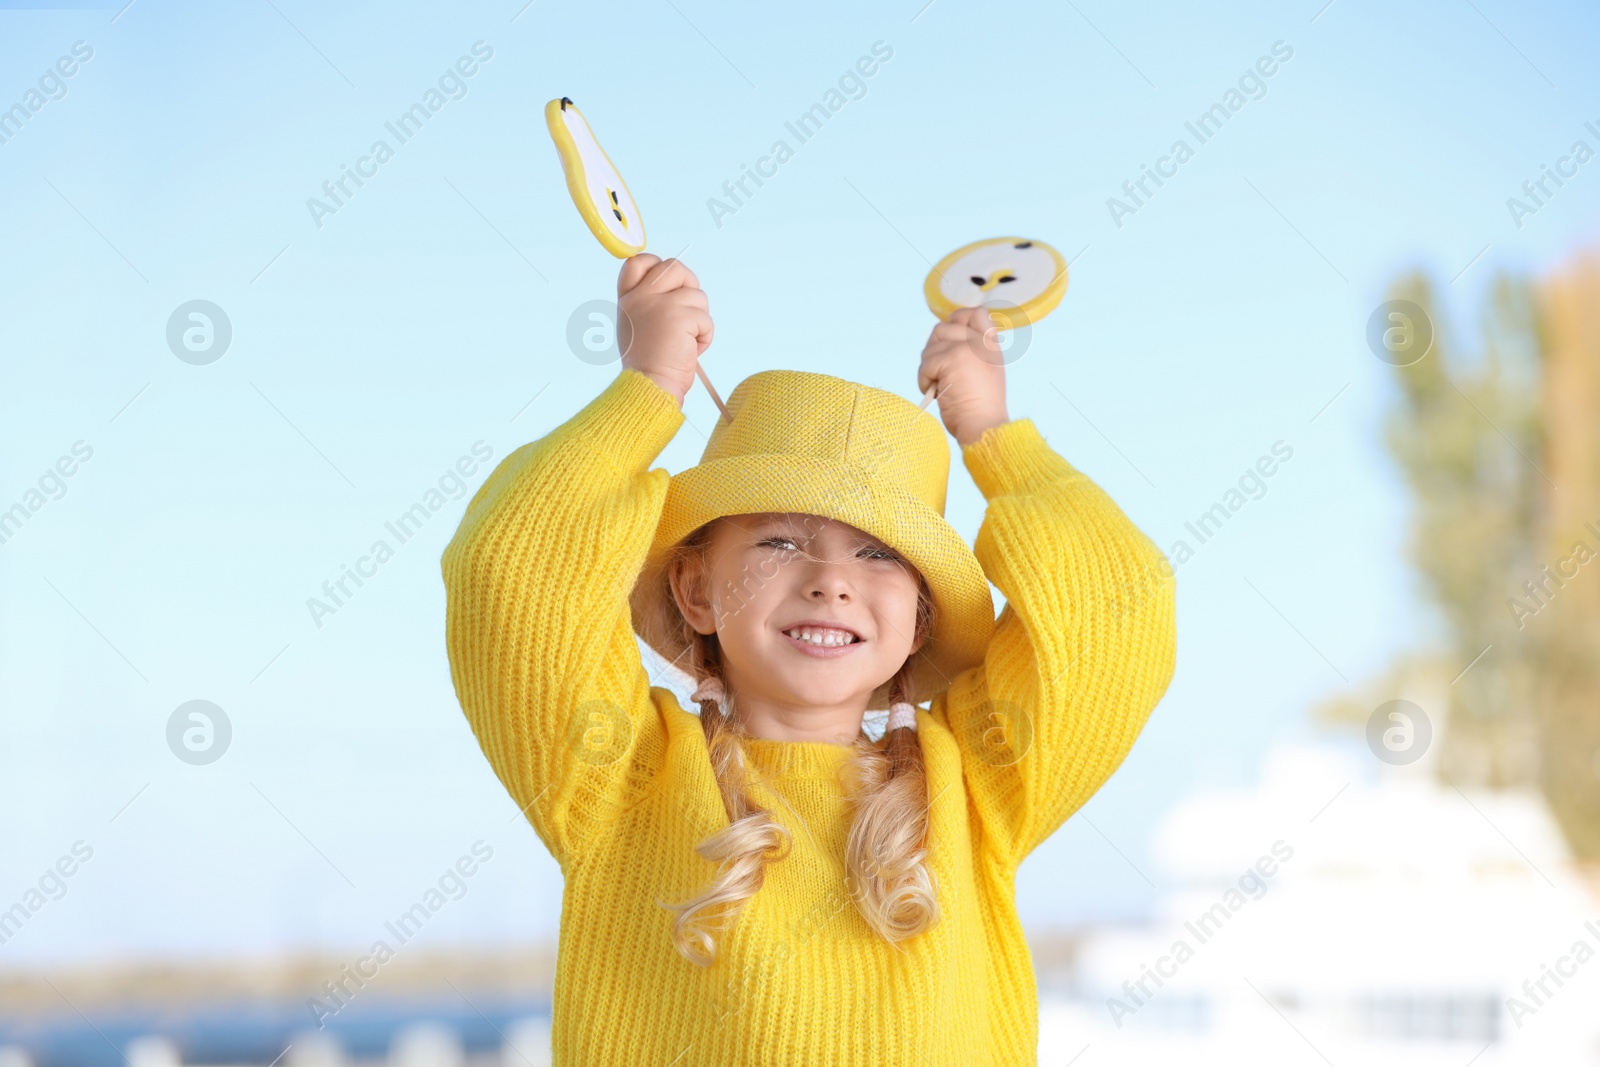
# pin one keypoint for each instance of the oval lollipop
(601, 195)
(1019, 280)
(599, 191)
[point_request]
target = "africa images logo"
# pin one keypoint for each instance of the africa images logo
(451, 86)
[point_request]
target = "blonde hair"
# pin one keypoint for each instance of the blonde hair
(885, 782)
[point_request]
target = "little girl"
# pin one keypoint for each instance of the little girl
(762, 883)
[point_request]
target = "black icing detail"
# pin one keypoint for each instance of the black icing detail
(617, 213)
(1023, 244)
(566, 102)
(977, 280)
(1009, 278)
(613, 193)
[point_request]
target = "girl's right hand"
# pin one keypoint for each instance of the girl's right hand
(663, 321)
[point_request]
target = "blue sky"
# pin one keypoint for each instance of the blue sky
(370, 353)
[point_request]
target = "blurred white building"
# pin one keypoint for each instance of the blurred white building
(1347, 912)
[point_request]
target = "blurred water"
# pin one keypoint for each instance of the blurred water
(262, 1032)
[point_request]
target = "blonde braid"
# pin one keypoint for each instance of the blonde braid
(742, 849)
(886, 852)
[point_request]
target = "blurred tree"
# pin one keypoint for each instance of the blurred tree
(1500, 454)
(1566, 653)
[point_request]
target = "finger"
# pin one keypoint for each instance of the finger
(984, 328)
(941, 359)
(634, 268)
(695, 298)
(977, 317)
(961, 342)
(670, 274)
(704, 328)
(952, 331)
(981, 323)
(934, 369)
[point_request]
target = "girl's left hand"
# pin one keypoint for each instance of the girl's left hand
(963, 364)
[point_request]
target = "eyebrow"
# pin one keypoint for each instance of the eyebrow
(789, 525)
(761, 525)
(771, 521)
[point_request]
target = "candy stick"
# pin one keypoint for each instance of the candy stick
(701, 371)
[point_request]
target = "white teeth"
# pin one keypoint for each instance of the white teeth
(826, 638)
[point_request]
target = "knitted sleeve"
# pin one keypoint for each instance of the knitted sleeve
(537, 625)
(1082, 651)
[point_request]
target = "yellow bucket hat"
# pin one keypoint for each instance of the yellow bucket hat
(802, 442)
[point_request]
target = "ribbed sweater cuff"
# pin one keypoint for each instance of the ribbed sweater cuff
(630, 422)
(1012, 458)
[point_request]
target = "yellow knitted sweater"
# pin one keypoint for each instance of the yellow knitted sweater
(537, 580)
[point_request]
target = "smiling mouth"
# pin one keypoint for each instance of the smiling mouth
(822, 636)
(823, 642)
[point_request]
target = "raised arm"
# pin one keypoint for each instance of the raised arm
(1082, 652)
(1087, 642)
(537, 625)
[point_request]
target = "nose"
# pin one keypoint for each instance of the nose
(828, 582)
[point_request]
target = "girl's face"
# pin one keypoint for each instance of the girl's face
(770, 573)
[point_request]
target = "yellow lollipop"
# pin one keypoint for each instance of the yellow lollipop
(597, 189)
(601, 195)
(1018, 279)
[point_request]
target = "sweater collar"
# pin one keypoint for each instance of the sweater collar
(797, 759)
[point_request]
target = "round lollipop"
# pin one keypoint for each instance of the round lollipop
(1018, 279)
(599, 192)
